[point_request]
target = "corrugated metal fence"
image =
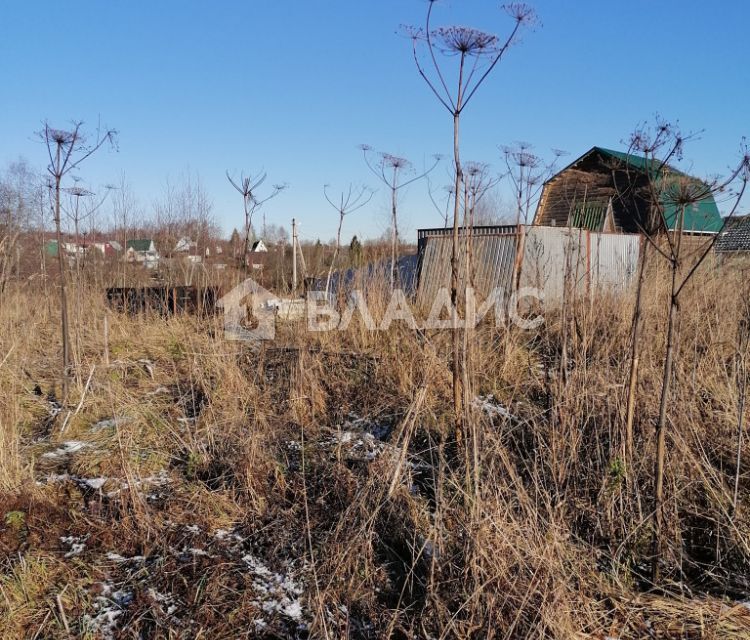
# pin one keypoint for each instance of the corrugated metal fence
(491, 251)
(503, 257)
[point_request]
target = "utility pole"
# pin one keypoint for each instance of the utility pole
(294, 255)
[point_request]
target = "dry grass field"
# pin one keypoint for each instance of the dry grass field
(193, 487)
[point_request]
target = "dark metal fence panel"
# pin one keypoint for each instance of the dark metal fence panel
(163, 301)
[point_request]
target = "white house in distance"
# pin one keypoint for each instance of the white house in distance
(258, 255)
(75, 251)
(142, 252)
(106, 248)
(185, 245)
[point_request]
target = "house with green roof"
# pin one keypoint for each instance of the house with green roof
(142, 252)
(611, 191)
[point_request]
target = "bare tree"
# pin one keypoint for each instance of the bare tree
(247, 187)
(669, 194)
(391, 171)
(478, 182)
(476, 53)
(527, 173)
(81, 207)
(660, 147)
(443, 209)
(67, 149)
(742, 349)
(126, 215)
(348, 202)
(19, 201)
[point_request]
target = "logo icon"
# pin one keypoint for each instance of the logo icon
(249, 313)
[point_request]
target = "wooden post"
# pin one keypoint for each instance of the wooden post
(520, 248)
(106, 338)
(588, 264)
(294, 256)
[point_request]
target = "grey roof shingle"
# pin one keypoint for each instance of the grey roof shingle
(736, 236)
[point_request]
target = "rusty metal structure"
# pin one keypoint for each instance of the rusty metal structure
(164, 301)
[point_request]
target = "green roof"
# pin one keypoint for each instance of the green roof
(139, 245)
(701, 216)
(639, 162)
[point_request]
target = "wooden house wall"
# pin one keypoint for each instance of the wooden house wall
(568, 189)
(590, 183)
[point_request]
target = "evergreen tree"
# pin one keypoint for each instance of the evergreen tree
(235, 242)
(355, 251)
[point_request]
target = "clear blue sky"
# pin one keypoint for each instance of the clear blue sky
(293, 87)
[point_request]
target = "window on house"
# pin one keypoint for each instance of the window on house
(589, 216)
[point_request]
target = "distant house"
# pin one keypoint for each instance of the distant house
(605, 190)
(51, 248)
(104, 248)
(185, 245)
(258, 255)
(735, 239)
(142, 252)
(70, 249)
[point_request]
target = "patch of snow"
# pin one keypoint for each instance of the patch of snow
(54, 408)
(293, 610)
(66, 449)
(379, 430)
(166, 600)
(57, 477)
(360, 445)
(77, 545)
(225, 534)
(277, 594)
(159, 480)
(492, 407)
(116, 557)
(94, 483)
(84, 483)
(187, 554)
(109, 607)
(110, 423)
